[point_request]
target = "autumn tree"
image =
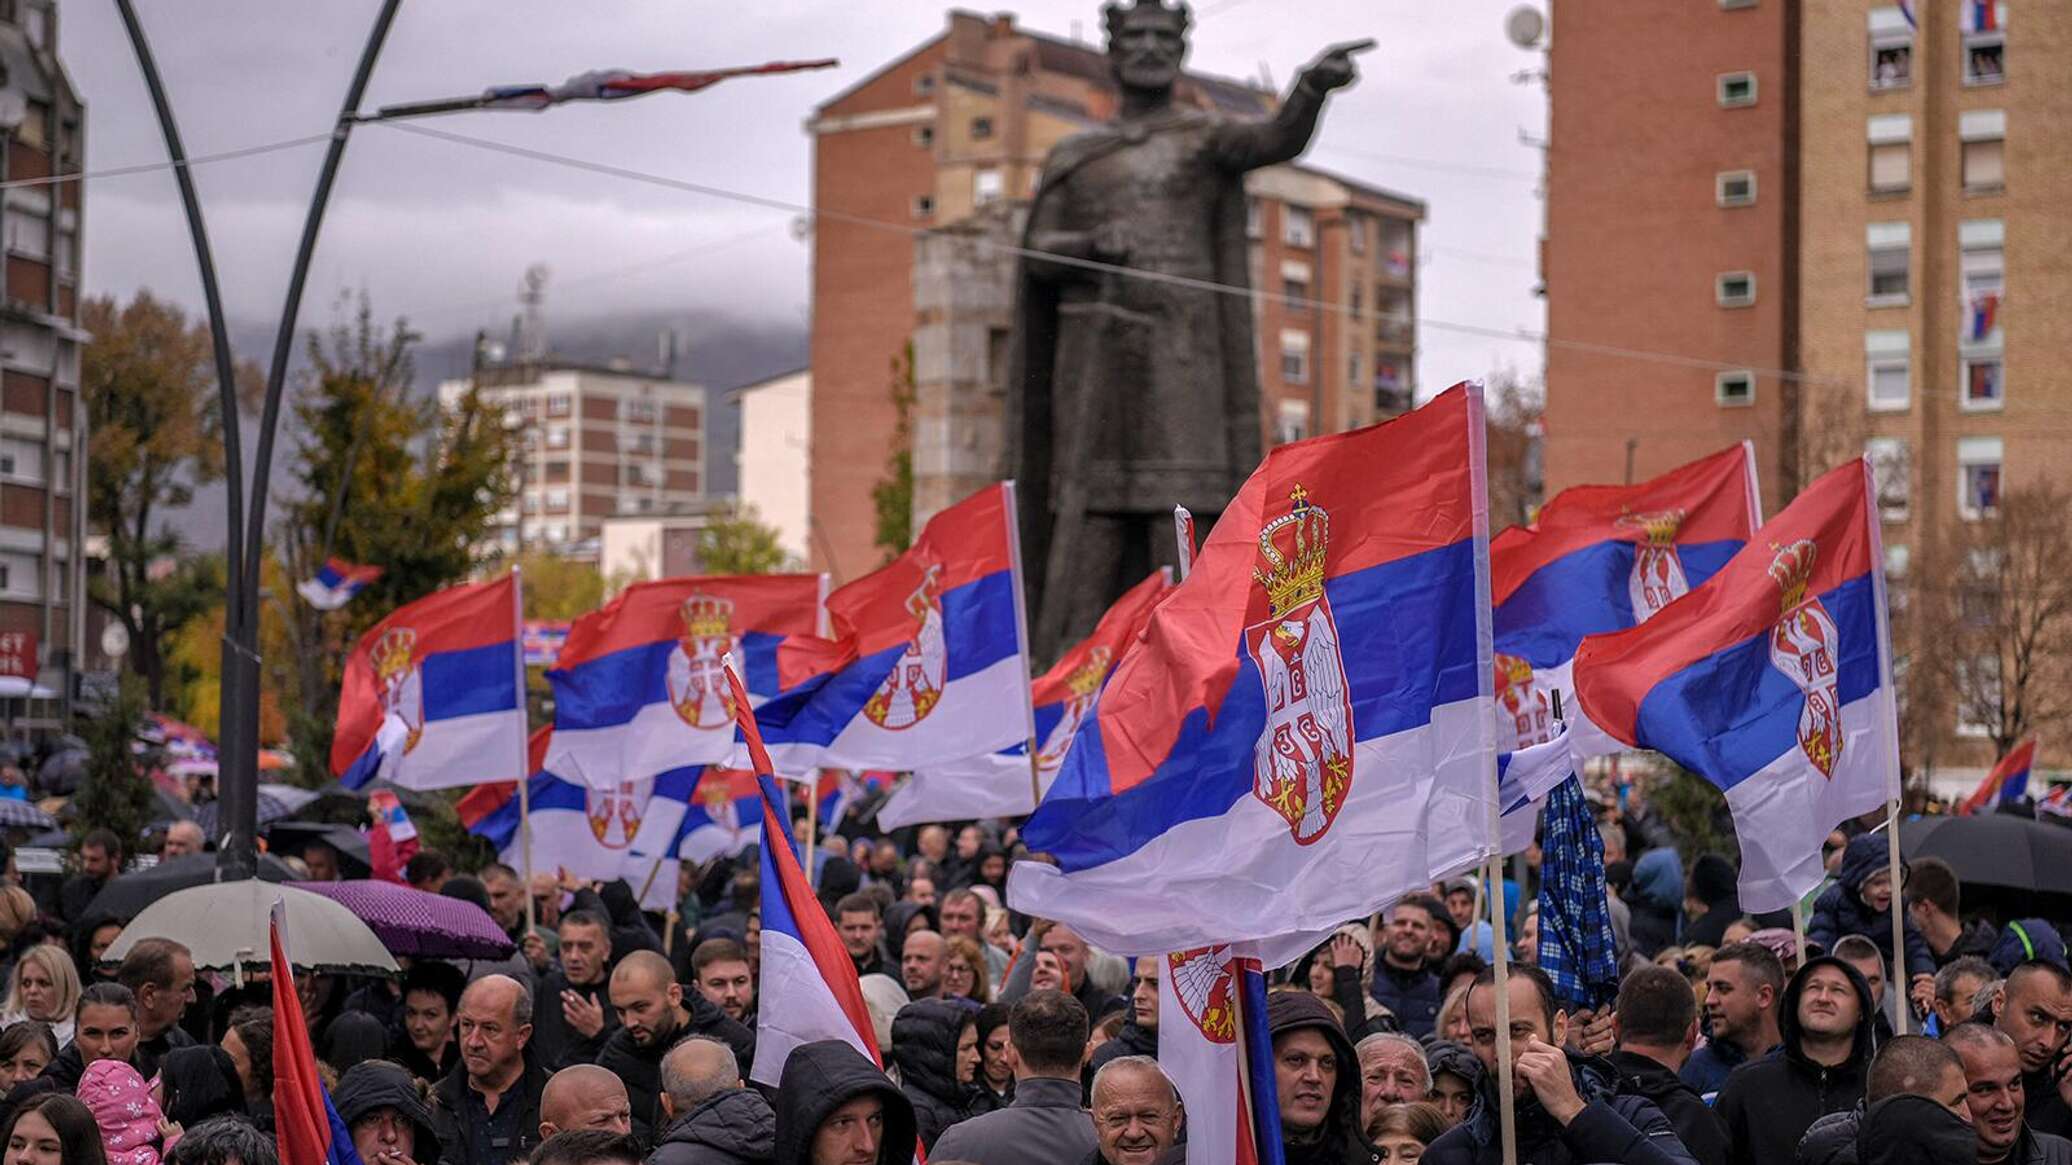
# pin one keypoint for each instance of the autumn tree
(557, 587)
(893, 495)
(155, 433)
(735, 542)
(1512, 406)
(1996, 628)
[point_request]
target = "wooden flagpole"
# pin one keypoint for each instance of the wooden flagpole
(532, 910)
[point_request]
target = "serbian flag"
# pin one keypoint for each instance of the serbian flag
(1983, 15)
(2007, 783)
(392, 841)
(637, 687)
(432, 696)
(840, 790)
(1982, 315)
(807, 984)
(306, 1124)
(335, 584)
(1304, 732)
(1604, 558)
(2057, 802)
(616, 84)
(999, 784)
(576, 828)
(700, 814)
(1773, 681)
(934, 663)
(1214, 1044)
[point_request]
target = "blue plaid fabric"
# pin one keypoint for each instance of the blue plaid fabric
(1577, 949)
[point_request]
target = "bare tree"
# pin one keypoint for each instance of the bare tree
(1514, 405)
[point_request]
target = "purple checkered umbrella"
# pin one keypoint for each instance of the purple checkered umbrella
(413, 922)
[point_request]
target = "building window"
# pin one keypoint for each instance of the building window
(1298, 226)
(1888, 370)
(924, 136)
(1733, 389)
(1982, 263)
(1889, 245)
(924, 84)
(1295, 283)
(557, 499)
(924, 206)
(1734, 188)
(1358, 302)
(1984, 25)
(1295, 356)
(1978, 477)
(1984, 136)
(1734, 288)
(987, 186)
(1892, 476)
(1892, 48)
(1732, 4)
(1736, 90)
(1356, 233)
(1983, 388)
(1352, 369)
(1292, 422)
(981, 128)
(1892, 153)
(558, 405)
(557, 436)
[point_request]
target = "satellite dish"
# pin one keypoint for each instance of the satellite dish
(1525, 25)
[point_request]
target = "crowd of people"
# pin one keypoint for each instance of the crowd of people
(611, 1036)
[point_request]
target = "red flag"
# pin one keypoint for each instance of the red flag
(308, 1128)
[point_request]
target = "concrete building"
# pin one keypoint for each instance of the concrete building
(42, 422)
(597, 442)
(775, 459)
(644, 547)
(961, 123)
(1873, 199)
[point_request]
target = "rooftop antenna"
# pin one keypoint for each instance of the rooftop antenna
(531, 341)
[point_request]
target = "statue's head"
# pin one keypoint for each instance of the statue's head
(1147, 41)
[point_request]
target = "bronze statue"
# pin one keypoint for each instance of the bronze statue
(1132, 392)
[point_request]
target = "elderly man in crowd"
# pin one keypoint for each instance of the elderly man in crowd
(709, 1116)
(487, 1110)
(1392, 1071)
(584, 1096)
(1136, 1112)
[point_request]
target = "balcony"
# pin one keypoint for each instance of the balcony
(1395, 331)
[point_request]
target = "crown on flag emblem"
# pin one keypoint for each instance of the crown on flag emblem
(697, 676)
(1086, 679)
(1658, 526)
(394, 657)
(1083, 685)
(1658, 575)
(1205, 983)
(614, 814)
(914, 686)
(1805, 645)
(1294, 575)
(1524, 714)
(1303, 760)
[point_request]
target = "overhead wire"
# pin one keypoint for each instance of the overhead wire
(152, 167)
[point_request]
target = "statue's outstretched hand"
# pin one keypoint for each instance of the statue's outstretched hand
(1334, 69)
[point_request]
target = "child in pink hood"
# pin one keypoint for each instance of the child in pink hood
(133, 1130)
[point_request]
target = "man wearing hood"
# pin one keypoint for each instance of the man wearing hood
(1712, 901)
(1828, 1040)
(654, 1012)
(379, 1104)
(927, 1036)
(1045, 1125)
(834, 1107)
(1657, 1022)
(1860, 902)
(1317, 1079)
(1568, 1108)
(711, 1118)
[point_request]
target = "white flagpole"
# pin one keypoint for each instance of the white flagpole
(1897, 974)
(1021, 629)
(813, 825)
(524, 749)
(1183, 531)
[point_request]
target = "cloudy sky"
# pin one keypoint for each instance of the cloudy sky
(442, 232)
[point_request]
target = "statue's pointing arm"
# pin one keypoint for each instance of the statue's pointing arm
(1248, 145)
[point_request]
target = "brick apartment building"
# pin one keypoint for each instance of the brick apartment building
(42, 424)
(598, 441)
(1876, 198)
(950, 139)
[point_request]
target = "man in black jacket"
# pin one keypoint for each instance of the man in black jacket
(1403, 981)
(487, 1110)
(1317, 1079)
(709, 1117)
(575, 1016)
(1567, 1106)
(1904, 1066)
(1825, 1019)
(654, 1012)
(2035, 1010)
(834, 1107)
(1657, 1023)
(100, 859)
(160, 973)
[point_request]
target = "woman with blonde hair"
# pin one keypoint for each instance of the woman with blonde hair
(964, 970)
(45, 988)
(1452, 1021)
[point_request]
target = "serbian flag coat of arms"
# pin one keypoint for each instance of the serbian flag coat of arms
(637, 685)
(934, 661)
(432, 697)
(1604, 558)
(999, 784)
(1773, 681)
(1304, 732)
(1219, 1053)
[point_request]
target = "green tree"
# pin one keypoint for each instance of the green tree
(155, 430)
(893, 495)
(386, 480)
(736, 543)
(114, 794)
(557, 587)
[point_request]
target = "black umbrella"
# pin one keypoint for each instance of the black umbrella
(208, 814)
(61, 772)
(129, 894)
(1995, 849)
(292, 837)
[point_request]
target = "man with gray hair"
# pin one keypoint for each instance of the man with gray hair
(1392, 1071)
(1136, 1112)
(487, 1110)
(708, 1116)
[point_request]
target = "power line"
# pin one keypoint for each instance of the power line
(152, 167)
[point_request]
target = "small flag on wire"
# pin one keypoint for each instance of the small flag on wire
(335, 584)
(596, 85)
